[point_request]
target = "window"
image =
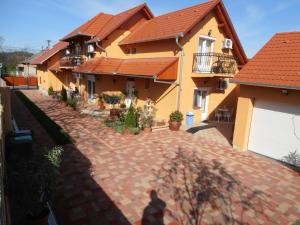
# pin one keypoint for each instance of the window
(197, 99)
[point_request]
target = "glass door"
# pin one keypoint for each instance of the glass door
(91, 87)
(201, 101)
(205, 54)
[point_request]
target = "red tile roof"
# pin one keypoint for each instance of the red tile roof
(276, 64)
(41, 58)
(171, 24)
(146, 67)
(180, 22)
(103, 24)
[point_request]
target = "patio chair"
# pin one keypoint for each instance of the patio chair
(228, 115)
(218, 115)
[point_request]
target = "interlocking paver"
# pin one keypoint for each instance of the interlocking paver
(157, 178)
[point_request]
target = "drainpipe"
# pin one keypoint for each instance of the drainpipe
(99, 46)
(180, 35)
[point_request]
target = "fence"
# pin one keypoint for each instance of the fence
(14, 81)
(5, 128)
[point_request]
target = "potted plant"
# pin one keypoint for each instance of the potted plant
(147, 124)
(175, 120)
(45, 179)
(32, 184)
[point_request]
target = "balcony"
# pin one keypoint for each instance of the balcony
(69, 62)
(214, 64)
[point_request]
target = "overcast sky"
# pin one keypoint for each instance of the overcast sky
(29, 23)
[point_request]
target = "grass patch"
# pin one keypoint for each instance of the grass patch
(54, 130)
(297, 222)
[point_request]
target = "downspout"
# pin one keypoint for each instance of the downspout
(180, 35)
(103, 49)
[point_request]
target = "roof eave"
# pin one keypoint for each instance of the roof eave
(181, 34)
(265, 85)
(69, 38)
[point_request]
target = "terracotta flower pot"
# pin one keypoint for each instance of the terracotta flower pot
(174, 125)
(147, 130)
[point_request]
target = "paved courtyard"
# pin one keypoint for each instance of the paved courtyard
(163, 177)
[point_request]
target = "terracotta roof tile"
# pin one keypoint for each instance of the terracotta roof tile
(171, 24)
(276, 64)
(41, 58)
(148, 67)
(103, 24)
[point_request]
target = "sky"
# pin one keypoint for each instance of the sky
(29, 23)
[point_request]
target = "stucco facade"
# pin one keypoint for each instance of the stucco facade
(246, 101)
(165, 95)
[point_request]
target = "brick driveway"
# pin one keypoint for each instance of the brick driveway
(165, 178)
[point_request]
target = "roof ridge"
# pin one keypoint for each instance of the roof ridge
(189, 7)
(288, 32)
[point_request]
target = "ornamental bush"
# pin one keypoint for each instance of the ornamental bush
(50, 91)
(63, 95)
(131, 119)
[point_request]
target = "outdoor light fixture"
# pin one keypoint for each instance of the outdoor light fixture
(284, 92)
(209, 32)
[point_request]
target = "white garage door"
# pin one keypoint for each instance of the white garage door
(275, 129)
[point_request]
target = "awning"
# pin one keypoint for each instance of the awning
(163, 68)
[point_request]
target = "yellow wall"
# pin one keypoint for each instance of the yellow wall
(246, 101)
(167, 48)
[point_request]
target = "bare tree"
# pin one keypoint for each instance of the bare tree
(1, 43)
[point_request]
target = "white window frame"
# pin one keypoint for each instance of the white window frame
(204, 115)
(201, 68)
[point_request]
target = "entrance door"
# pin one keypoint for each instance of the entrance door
(206, 46)
(201, 101)
(91, 87)
(130, 88)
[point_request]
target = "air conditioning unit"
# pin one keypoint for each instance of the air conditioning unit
(227, 44)
(78, 75)
(222, 84)
(90, 48)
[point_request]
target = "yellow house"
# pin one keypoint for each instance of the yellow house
(268, 111)
(181, 60)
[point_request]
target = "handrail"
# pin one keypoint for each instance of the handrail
(212, 62)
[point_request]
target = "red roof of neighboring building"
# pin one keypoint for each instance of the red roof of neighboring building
(145, 67)
(41, 58)
(277, 64)
(103, 24)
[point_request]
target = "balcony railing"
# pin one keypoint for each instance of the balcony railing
(71, 61)
(214, 63)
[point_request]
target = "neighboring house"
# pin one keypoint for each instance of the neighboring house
(181, 60)
(26, 68)
(268, 111)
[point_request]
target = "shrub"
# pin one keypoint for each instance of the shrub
(50, 91)
(63, 95)
(72, 102)
(131, 119)
(176, 116)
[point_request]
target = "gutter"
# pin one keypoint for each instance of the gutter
(266, 85)
(180, 35)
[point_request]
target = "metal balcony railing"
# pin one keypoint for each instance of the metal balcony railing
(217, 63)
(71, 61)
